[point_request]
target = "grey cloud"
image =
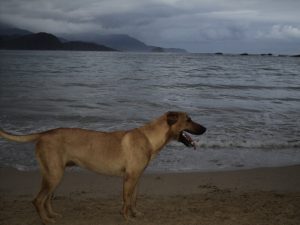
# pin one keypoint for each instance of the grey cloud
(173, 23)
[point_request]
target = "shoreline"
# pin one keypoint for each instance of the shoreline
(247, 196)
(263, 179)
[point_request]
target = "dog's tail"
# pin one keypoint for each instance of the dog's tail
(20, 138)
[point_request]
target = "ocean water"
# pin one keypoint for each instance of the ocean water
(249, 104)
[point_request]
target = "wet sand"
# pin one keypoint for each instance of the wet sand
(258, 196)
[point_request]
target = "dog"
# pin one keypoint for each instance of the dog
(121, 153)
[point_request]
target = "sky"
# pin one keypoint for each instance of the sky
(229, 26)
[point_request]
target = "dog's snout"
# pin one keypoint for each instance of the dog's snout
(197, 129)
(202, 130)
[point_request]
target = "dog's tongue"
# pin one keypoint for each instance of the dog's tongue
(189, 139)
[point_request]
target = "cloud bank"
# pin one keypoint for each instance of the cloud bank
(197, 25)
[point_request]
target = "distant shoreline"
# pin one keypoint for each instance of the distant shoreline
(141, 52)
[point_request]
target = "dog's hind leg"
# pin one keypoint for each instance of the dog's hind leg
(52, 172)
(39, 203)
(42, 201)
(49, 209)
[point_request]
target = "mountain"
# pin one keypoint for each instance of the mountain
(122, 42)
(39, 41)
(15, 38)
(84, 46)
(45, 41)
(170, 50)
(6, 30)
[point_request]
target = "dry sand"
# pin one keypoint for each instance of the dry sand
(266, 196)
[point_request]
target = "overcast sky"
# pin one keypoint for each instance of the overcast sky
(197, 25)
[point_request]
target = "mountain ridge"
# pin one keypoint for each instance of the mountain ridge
(122, 42)
(84, 41)
(46, 41)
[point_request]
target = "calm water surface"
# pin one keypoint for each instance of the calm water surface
(250, 104)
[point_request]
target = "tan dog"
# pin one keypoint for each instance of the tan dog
(122, 153)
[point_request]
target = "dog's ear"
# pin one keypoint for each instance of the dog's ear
(172, 118)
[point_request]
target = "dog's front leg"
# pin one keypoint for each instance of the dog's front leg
(134, 211)
(129, 186)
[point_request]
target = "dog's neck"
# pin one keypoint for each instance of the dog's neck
(158, 133)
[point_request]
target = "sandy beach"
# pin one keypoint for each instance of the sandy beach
(264, 196)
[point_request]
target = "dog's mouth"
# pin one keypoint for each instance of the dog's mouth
(186, 140)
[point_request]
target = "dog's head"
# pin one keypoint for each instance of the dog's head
(181, 124)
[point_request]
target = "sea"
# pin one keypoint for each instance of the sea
(250, 105)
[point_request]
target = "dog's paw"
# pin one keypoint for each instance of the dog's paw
(136, 213)
(55, 215)
(48, 221)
